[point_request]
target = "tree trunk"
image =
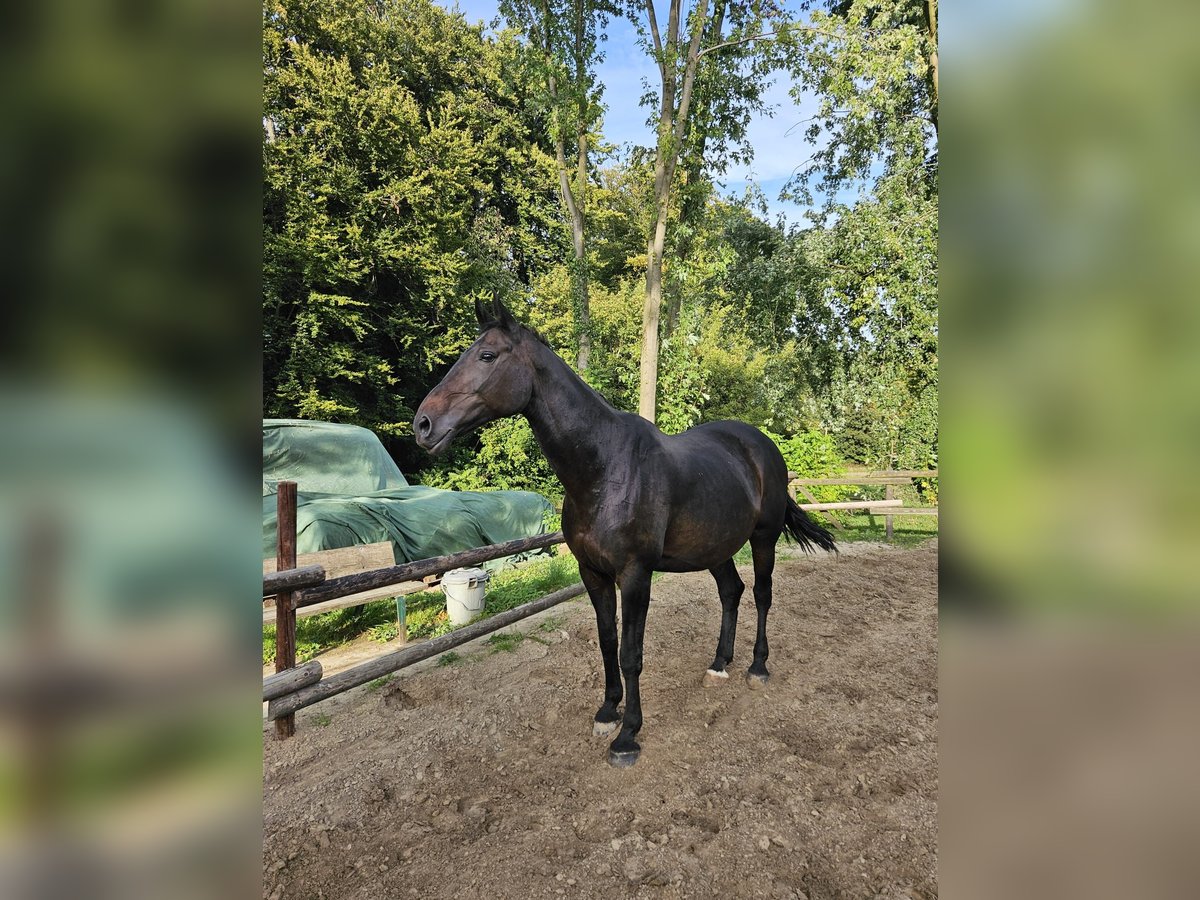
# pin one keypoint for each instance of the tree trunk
(579, 286)
(648, 385)
(672, 125)
(573, 196)
(583, 313)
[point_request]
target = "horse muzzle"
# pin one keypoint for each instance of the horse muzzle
(430, 437)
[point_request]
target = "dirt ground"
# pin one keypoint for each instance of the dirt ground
(483, 779)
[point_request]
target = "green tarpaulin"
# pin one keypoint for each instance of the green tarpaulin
(324, 458)
(349, 491)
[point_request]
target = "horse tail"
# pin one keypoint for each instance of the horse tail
(799, 527)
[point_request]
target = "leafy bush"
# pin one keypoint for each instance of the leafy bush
(508, 459)
(810, 454)
(813, 454)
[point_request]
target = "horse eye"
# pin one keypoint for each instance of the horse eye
(487, 356)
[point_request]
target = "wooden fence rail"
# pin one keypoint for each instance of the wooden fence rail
(400, 659)
(292, 679)
(848, 504)
(292, 579)
(415, 571)
(888, 507)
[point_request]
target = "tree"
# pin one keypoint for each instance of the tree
(873, 65)
(405, 173)
(677, 53)
(873, 291)
(564, 36)
(737, 59)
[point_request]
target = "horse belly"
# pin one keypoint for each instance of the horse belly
(691, 548)
(716, 520)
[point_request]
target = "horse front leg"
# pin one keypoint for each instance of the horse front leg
(635, 602)
(603, 593)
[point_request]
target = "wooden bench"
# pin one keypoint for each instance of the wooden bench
(348, 561)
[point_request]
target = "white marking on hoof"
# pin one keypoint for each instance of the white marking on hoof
(756, 682)
(604, 729)
(714, 678)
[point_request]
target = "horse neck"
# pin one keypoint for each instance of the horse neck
(571, 421)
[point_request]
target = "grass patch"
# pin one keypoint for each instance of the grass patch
(384, 632)
(505, 641)
(907, 531)
(379, 682)
(320, 719)
(316, 634)
(449, 658)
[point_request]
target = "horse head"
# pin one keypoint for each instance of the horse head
(491, 380)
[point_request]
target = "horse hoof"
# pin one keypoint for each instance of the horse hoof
(713, 678)
(755, 681)
(623, 759)
(604, 729)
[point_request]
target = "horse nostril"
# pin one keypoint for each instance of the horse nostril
(424, 426)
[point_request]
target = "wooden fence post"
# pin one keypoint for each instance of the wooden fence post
(887, 522)
(285, 611)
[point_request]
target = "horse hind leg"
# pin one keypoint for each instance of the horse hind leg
(729, 588)
(763, 549)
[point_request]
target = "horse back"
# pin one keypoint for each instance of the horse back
(737, 450)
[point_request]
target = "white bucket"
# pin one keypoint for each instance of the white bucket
(464, 590)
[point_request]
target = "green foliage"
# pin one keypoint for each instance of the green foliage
(449, 658)
(868, 62)
(868, 315)
(810, 454)
(681, 383)
(505, 641)
(508, 458)
(814, 454)
(405, 173)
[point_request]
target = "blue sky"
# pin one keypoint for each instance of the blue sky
(778, 140)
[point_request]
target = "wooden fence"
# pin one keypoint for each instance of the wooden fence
(294, 687)
(887, 507)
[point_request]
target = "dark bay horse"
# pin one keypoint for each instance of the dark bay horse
(636, 500)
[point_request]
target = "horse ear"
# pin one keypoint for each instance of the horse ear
(502, 315)
(482, 314)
